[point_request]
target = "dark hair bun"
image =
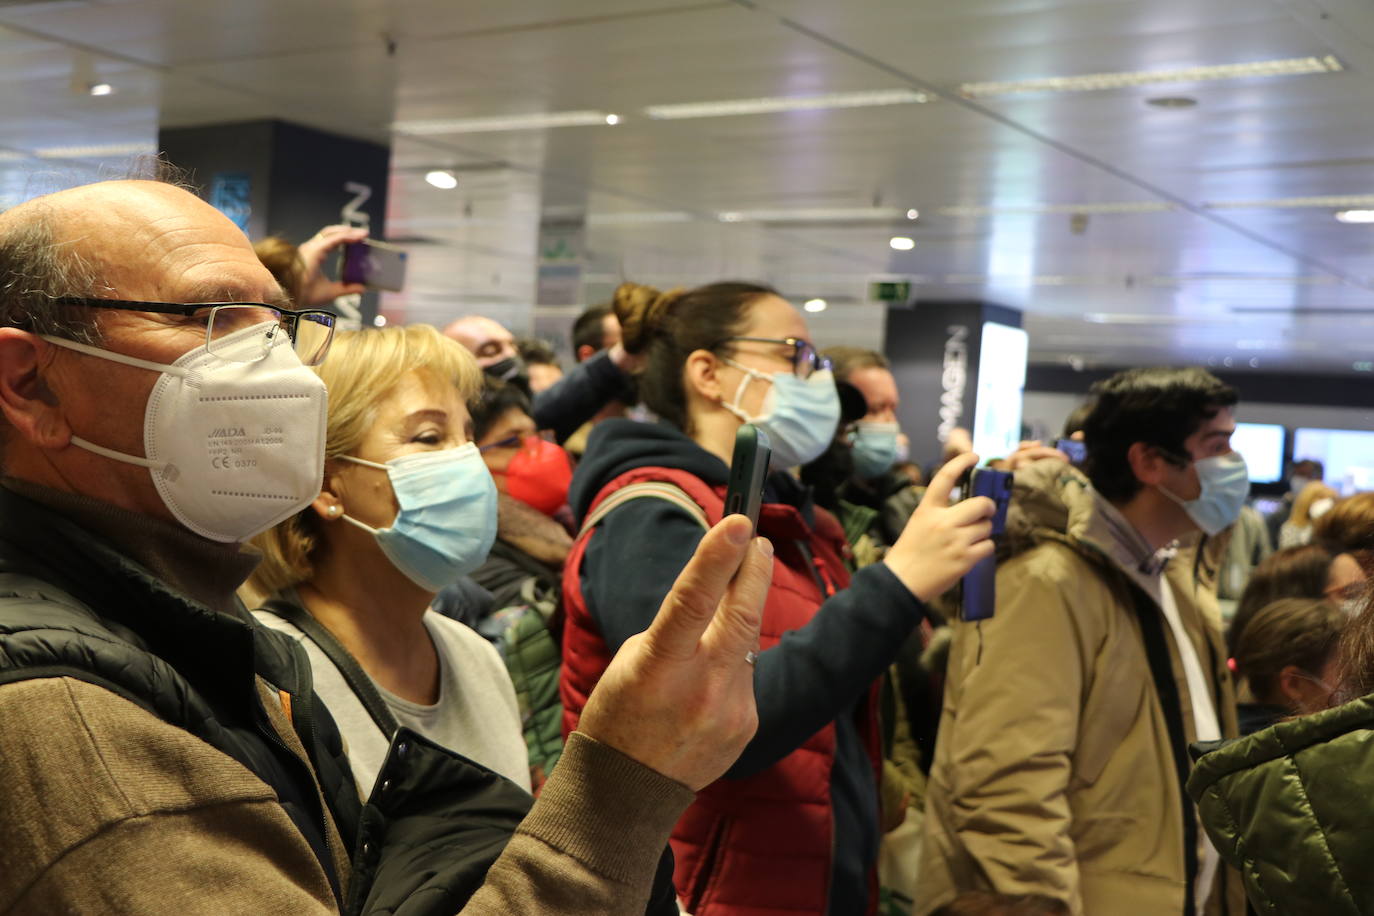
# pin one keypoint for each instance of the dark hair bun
(642, 311)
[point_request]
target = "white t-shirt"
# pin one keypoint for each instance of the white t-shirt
(477, 714)
(1204, 721)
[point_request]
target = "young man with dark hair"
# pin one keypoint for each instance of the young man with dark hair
(594, 330)
(1067, 717)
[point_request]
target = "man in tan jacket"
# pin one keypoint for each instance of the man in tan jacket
(159, 752)
(1063, 739)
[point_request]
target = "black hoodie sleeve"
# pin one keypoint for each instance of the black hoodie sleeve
(576, 397)
(810, 678)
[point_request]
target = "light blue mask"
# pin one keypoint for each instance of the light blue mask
(1225, 485)
(874, 448)
(447, 521)
(800, 416)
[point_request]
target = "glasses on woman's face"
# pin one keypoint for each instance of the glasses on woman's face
(311, 331)
(804, 358)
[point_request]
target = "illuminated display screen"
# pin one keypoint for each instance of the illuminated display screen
(1347, 455)
(1001, 381)
(1261, 445)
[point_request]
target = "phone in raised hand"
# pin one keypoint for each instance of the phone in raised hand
(748, 470)
(376, 265)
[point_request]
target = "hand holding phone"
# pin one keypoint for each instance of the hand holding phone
(748, 470)
(942, 541)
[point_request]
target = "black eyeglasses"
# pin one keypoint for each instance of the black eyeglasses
(311, 331)
(805, 360)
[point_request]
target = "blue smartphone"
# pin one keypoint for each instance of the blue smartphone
(1077, 451)
(978, 588)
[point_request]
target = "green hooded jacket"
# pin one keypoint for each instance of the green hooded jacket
(1292, 807)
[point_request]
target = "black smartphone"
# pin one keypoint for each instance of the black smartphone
(1077, 451)
(978, 589)
(376, 265)
(748, 470)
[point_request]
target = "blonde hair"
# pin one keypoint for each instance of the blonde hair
(1302, 506)
(362, 369)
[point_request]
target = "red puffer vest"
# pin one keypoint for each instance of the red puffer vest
(759, 845)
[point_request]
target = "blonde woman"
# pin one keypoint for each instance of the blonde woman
(407, 506)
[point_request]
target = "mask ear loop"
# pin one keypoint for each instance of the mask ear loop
(749, 376)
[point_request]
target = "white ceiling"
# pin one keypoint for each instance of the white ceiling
(1186, 281)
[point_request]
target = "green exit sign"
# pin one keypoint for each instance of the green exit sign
(898, 291)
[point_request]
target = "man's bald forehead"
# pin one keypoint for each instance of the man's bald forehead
(148, 239)
(472, 329)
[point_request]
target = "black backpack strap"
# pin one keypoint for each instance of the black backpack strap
(348, 666)
(1166, 689)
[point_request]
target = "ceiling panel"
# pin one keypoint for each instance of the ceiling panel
(1181, 284)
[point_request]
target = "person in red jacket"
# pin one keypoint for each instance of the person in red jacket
(794, 825)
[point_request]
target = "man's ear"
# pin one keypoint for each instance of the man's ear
(30, 406)
(1149, 465)
(702, 375)
(585, 352)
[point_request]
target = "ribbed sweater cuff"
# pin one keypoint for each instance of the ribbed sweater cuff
(606, 810)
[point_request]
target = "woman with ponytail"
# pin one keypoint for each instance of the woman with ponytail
(794, 825)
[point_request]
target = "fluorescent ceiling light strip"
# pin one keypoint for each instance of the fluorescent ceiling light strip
(94, 152)
(636, 219)
(769, 105)
(823, 214)
(1333, 202)
(1034, 209)
(1292, 66)
(536, 121)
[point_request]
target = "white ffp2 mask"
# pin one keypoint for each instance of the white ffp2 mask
(233, 447)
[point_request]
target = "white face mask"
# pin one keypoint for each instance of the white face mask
(233, 447)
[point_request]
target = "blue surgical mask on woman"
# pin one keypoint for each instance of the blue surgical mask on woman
(447, 521)
(800, 416)
(873, 446)
(1225, 484)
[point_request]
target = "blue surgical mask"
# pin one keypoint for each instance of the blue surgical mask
(799, 416)
(447, 521)
(1225, 485)
(874, 448)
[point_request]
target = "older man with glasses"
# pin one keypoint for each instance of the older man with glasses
(159, 751)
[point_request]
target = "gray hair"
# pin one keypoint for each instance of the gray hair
(36, 269)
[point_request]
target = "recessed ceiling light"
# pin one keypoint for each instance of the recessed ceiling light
(814, 305)
(1172, 101)
(1293, 66)
(913, 213)
(537, 121)
(730, 217)
(769, 105)
(613, 119)
(98, 89)
(901, 243)
(444, 180)
(1355, 216)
